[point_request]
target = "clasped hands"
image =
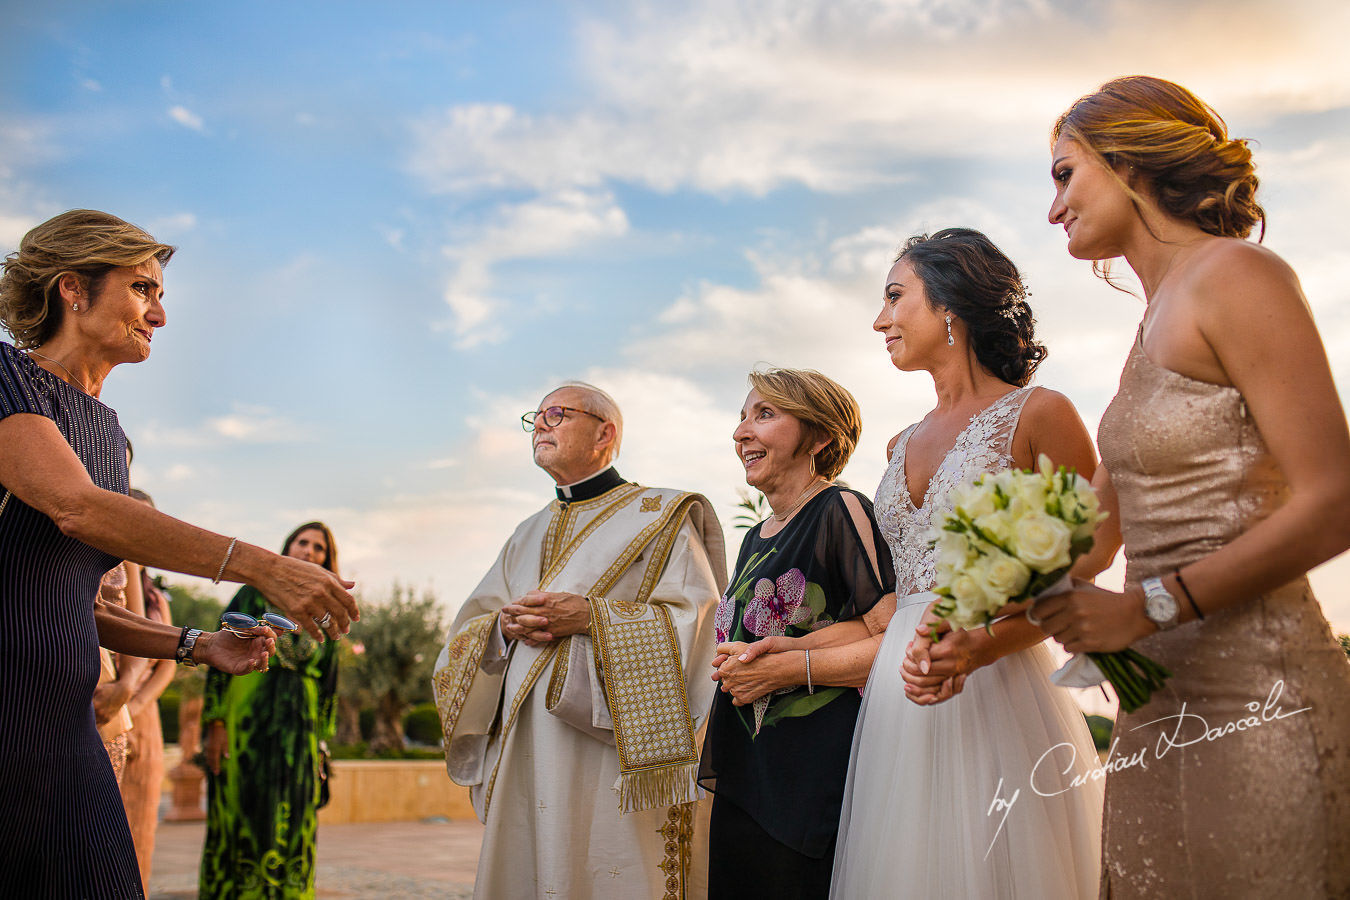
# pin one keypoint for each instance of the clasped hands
(749, 671)
(543, 616)
(937, 661)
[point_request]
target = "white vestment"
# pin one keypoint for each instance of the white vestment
(531, 730)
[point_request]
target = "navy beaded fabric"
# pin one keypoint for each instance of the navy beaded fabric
(63, 831)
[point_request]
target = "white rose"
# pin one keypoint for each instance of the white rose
(974, 500)
(970, 598)
(1042, 542)
(1085, 499)
(1029, 495)
(997, 524)
(1005, 576)
(952, 549)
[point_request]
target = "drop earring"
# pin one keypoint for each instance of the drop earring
(950, 340)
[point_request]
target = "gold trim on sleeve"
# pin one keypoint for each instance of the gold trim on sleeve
(453, 681)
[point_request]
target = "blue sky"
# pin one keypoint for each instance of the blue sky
(400, 224)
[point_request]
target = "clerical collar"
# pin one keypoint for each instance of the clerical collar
(605, 480)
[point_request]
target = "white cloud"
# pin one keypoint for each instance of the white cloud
(243, 425)
(187, 118)
(545, 226)
(175, 223)
(91, 85)
(747, 97)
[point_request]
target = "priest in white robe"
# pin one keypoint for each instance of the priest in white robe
(576, 677)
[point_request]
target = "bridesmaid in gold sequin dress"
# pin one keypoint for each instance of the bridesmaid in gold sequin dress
(1227, 451)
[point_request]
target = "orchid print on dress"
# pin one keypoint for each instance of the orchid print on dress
(777, 605)
(773, 607)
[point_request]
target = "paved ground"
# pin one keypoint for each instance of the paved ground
(397, 859)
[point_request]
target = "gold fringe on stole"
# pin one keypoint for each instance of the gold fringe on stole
(638, 653)
(655, 787)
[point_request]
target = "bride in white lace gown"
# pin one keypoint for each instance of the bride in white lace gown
(955, 790)
(986, 791)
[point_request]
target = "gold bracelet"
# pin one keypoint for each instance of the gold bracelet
(226, 561)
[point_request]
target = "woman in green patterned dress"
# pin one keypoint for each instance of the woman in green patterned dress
(263, 734)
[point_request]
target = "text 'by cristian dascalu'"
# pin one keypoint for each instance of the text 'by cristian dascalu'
(1182, 729)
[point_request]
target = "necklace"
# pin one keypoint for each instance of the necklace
(801, 498)
(75, 381)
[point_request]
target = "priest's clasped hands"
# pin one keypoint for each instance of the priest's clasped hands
(543, 616)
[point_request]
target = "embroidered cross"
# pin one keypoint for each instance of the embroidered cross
(651, 504)
(613, 871)
(541, 805)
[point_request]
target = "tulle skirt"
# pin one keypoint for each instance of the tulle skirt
(996, 793)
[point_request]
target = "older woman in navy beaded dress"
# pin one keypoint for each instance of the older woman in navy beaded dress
(82, 295)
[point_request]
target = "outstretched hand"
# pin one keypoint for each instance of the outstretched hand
(307, 593)
(235, 655)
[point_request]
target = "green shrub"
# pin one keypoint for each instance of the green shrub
(422, 724)
(362, 751)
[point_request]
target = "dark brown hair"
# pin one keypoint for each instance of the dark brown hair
(966, 275)
(330, 561)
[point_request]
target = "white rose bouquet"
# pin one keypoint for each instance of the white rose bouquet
(1013, 536)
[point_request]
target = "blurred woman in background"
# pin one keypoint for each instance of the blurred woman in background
(266, 753)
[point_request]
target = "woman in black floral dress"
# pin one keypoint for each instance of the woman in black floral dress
(777, 748)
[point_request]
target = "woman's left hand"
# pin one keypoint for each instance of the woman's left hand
(1091, 620)
(235, 655)
(746, 682)
(934, 672)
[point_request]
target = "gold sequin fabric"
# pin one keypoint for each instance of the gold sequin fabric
(1234, 780)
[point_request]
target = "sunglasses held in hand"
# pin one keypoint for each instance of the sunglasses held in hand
(241, 624)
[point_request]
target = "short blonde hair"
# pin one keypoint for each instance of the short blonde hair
(85, 242)
(826, 410)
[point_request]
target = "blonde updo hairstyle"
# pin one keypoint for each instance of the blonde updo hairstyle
(85, 242)
(1174, 146)
(826, 410)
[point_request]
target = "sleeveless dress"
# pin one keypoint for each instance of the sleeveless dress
(63, 833)
(975, 797)
(1248, 793)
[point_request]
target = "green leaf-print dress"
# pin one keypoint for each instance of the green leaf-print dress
(262, 807)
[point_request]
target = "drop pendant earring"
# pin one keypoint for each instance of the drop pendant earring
(950, 340)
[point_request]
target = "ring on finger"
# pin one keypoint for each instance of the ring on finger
(1032, 618)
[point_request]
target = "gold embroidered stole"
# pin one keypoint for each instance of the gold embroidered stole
(637, 656)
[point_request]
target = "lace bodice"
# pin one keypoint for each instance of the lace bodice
(984, 446)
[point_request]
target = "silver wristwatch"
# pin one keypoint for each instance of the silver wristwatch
(1160, 606)
(187, 644)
